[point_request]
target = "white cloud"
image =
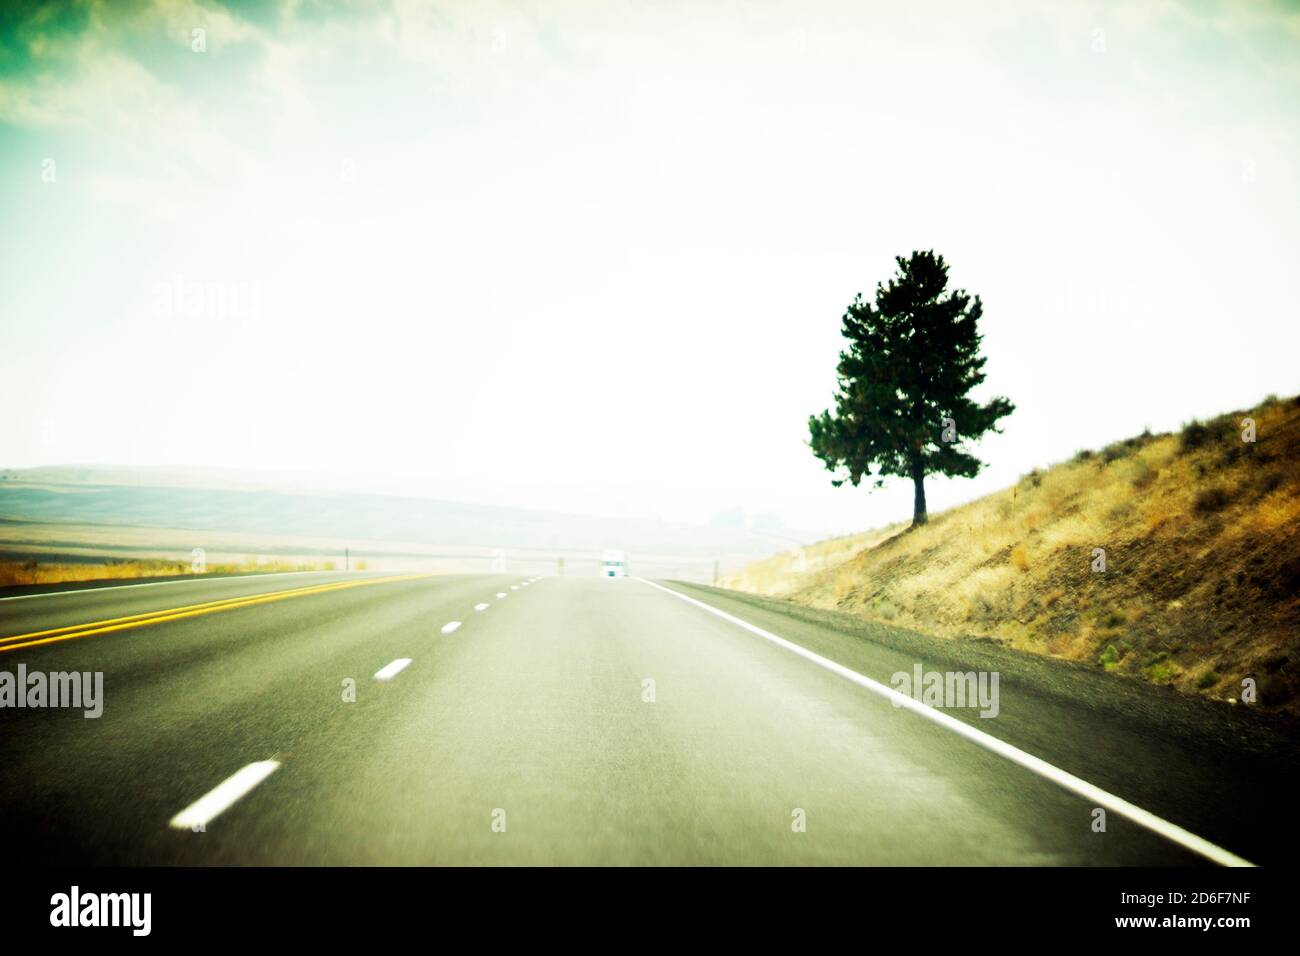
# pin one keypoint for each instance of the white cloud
(597, 254)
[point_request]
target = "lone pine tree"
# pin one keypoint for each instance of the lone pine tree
(902, 405)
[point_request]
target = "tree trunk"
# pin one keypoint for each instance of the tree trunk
(918, 506)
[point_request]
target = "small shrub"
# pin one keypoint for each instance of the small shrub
(1271, 482)
(1216, 431)
(1137, 441)
(886, 610)
(1163, 672)
(1083, 454)
(1207, 680)
(1194, 435)
(1274, 689)
(1115, 451)
(1211, 500)
(1109, 658)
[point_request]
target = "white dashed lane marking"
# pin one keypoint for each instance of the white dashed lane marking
(216, 801)
(389, 671)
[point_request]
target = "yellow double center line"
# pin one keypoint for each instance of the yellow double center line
(75, 631)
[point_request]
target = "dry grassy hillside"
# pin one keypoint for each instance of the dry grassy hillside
(1201, 587)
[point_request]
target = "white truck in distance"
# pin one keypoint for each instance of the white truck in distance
(613, 564)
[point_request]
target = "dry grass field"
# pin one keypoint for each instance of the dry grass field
(47, 572)
(1201, 586)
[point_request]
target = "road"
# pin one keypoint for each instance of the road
(580, 721)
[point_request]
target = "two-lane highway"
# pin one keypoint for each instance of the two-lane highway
(345, 719)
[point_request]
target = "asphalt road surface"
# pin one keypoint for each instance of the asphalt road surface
(586, 721)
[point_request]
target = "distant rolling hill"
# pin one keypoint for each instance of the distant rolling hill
(81, 513)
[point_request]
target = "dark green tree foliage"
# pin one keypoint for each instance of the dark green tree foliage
(912, 360)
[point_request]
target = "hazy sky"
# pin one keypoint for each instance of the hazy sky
(594, 256)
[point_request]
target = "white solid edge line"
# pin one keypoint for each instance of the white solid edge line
(191, 579)
(450, 627)
(1062, 778)
(219, 799)
(389, 671)
(480, 607)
